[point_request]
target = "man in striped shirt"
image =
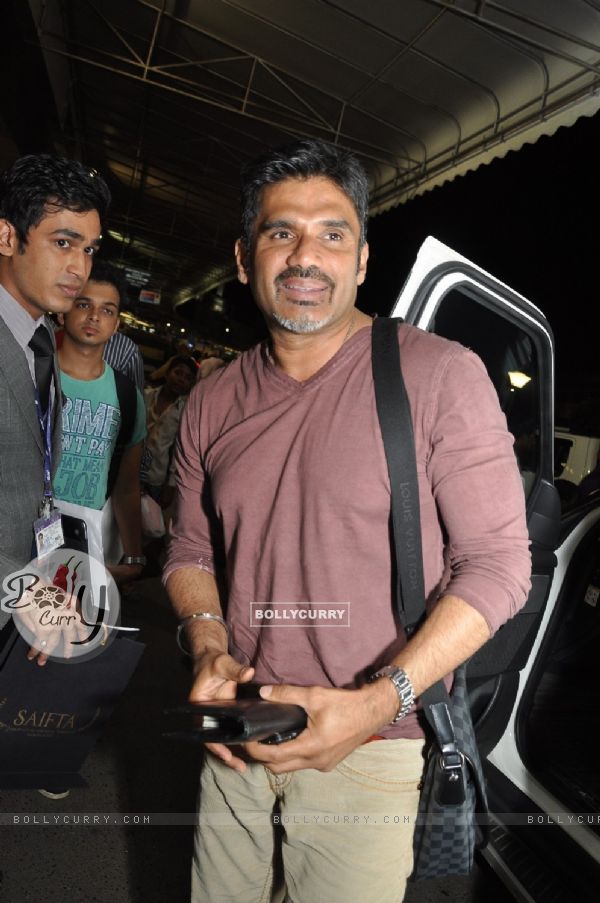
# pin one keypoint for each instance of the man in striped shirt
(121, 353)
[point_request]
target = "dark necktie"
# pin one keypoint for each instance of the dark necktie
(43, 349)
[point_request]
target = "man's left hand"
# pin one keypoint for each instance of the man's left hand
(50, 640)
(338, 722)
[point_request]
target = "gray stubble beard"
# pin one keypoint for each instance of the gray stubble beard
(302, 325)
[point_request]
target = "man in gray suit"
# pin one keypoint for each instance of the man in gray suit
(51, 215)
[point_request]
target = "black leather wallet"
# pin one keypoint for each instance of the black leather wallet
(233, 721)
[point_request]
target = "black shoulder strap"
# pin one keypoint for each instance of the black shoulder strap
(127, 397)
(393, 410)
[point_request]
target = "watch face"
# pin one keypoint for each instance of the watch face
(388, 671)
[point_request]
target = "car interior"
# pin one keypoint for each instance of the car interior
(559, 716)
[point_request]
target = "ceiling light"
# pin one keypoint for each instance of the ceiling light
(517, 379)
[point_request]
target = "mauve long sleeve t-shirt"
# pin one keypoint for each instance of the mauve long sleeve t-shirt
(283, 492)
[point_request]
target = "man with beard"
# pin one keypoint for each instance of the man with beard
(103, 423)
(284, 507)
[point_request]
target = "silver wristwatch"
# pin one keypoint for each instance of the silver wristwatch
(403, 686)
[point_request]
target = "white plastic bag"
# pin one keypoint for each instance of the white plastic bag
(96, 561)
(93, 520)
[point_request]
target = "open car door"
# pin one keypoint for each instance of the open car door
(513, 684)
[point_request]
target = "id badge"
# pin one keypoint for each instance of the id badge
(48, 534)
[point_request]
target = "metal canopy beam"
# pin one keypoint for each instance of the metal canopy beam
(170, 103)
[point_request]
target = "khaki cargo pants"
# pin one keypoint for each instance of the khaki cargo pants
(309, 836)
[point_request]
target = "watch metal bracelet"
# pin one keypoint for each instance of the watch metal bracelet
(403, 687)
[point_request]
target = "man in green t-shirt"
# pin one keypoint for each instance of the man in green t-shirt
(91, 416)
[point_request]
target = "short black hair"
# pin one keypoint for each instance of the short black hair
(303, 160)
(183, 360)
(36, 183)
(105, 272)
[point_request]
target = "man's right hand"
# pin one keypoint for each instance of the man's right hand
(216, 673)
(216, 676)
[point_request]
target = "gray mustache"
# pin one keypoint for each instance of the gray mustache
(311, 272)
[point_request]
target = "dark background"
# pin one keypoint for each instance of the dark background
(530, 219)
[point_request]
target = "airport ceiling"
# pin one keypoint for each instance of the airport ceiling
(169, 97)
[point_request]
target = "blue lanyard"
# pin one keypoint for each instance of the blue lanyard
(45, 422)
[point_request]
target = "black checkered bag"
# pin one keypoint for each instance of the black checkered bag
(452, 819)
(452, 815)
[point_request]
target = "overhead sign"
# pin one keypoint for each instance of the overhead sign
(149, 297)
(137, 278)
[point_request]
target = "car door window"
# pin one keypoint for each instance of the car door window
(509, 355)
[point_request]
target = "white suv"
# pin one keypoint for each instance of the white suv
(574, 456)
(534, 687)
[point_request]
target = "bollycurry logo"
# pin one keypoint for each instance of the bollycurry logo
(299, 614)
(64, 605)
